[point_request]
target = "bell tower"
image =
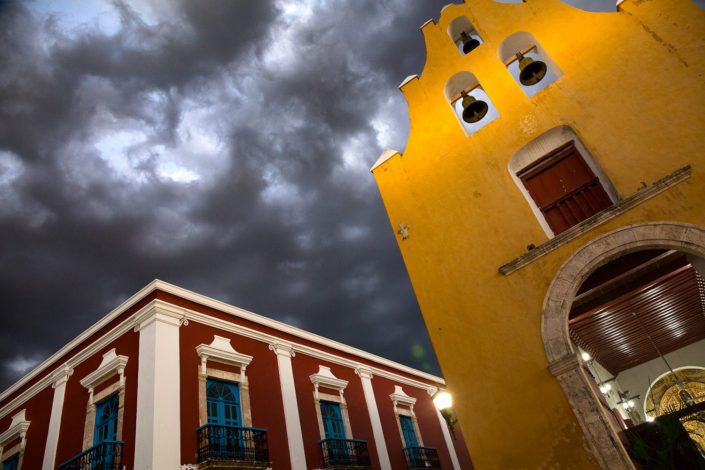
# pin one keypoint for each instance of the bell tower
(535, 131)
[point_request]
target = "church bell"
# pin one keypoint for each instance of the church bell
(473, 109)
(531, 71)
(469, 43)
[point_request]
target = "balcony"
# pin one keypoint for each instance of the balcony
(104, 456)
(344, 453)
(421, 457)
(232, 447)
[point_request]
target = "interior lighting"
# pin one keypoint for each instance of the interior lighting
(585, 356)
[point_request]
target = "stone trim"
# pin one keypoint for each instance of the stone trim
(17, 430)
(399, 397)
(326, 378)
(618, 208)
(599, 432)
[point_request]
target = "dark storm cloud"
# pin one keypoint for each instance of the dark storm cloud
(267, 111)
(221, 146)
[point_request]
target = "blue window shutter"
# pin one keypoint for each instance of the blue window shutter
(106, 416)
(12, 463)
(332, 420)
(407, 428)
(223, 403)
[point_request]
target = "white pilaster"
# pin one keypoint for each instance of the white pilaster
(158, 436)
(284, 354)
(449, 441)
(366, 378)
(60, 377)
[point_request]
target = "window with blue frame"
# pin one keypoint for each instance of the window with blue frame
(407, 429)
(332, 418)
(12, 463)
(106, 418)
(223, 401)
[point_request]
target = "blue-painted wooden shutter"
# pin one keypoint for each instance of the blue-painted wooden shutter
(332, 420)
(106, 416)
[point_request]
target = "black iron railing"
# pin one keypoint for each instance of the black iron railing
(421, 457)
(104, 456)
(344, 452)
(232, 443)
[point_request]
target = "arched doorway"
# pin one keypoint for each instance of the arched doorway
(598, 423)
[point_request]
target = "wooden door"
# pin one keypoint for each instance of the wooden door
(564, 188)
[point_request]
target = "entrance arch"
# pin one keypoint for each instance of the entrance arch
(600, 434)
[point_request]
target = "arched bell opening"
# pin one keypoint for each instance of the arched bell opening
(469, 102)
(464, 35)
(528, 63)
(633, 302)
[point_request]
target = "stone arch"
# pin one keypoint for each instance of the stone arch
(563, 362)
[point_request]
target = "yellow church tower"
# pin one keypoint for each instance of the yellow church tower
(548, 143)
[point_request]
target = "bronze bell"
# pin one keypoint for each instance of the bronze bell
(469, 43)
(531, 71)
(473, 109)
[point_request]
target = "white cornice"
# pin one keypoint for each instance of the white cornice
(400, 397)
(222, 351)
(18, 429)
(326, 378)
(112, 364)
(184, 315)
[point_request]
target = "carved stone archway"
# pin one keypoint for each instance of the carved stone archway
(600, 434)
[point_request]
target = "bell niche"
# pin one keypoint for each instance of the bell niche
(469, 102)
(528, 63)
(464, 34)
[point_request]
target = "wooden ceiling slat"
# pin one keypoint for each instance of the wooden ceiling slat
(671, 308)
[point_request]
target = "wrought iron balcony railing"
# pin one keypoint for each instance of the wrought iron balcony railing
(344, 452)
(235, 443)
(421, 457)
(104, 456)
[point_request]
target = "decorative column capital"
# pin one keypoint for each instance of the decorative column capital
(282, 349)
(160, 311)
(364, 373)
(61, 375)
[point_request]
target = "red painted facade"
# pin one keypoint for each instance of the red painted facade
(101, 357)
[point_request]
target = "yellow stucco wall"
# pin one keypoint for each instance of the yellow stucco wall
(633, 90)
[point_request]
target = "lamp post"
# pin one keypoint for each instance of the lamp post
(444, 403)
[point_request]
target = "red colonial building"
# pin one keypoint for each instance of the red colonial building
(175, 380)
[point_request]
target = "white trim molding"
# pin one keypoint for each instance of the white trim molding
(61, 377)
(326, 378)
(17, 430)
(285, 352)
(400, 397)
(220, 350)
(183, 315)
(110, 365)
(366, 379)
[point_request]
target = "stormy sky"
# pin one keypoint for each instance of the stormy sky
(222, 146)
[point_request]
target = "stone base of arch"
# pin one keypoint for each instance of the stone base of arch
(595, 421)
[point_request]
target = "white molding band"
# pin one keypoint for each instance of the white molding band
(60, 376)
(158, 390)
(366, 379)
(220, 350)
(449, 441)
(400, 397)
(17, 430)
(284, 354)
(124, 326)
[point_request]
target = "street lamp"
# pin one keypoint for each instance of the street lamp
(444, 403)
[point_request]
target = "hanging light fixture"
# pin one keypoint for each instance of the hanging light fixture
(473, 109)
(530, 71)
(444, 403)
(469, 42)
